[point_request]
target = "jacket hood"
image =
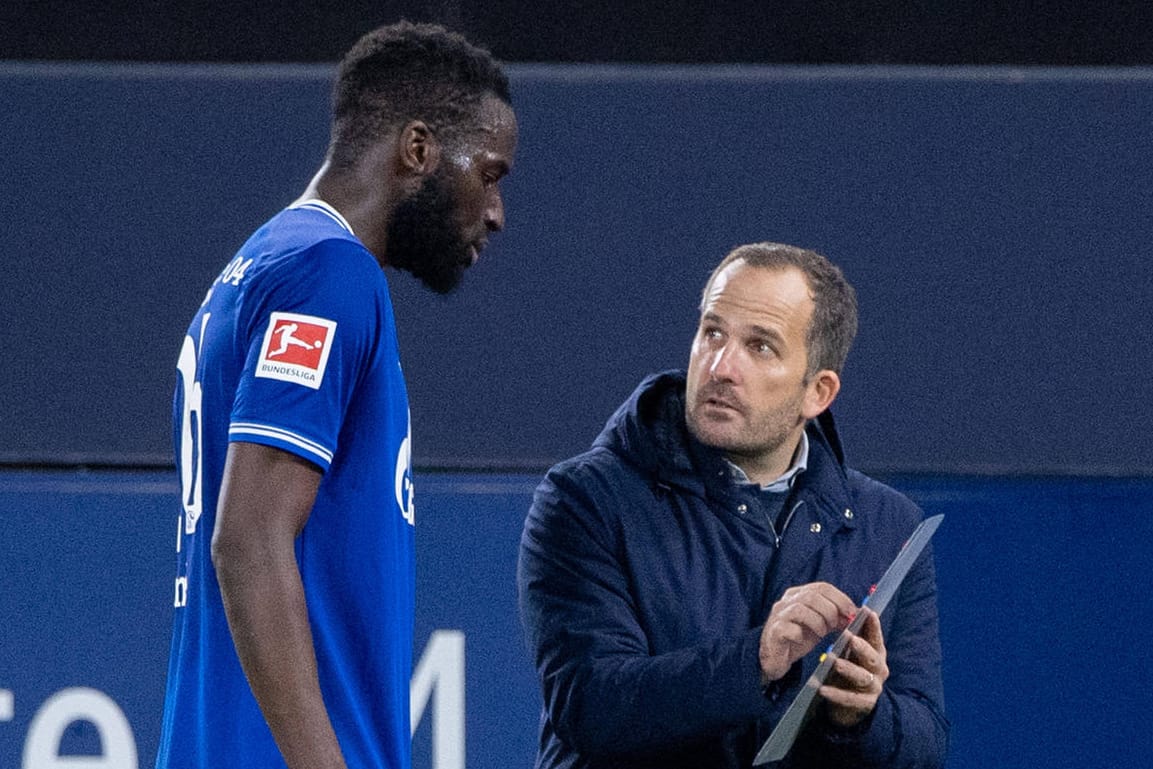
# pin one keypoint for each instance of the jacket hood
(648, 430)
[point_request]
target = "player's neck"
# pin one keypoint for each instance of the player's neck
(364, 203)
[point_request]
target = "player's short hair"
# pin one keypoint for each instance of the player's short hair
(406, 71)
(834, 323)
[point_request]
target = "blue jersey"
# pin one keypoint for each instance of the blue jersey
(295, 347)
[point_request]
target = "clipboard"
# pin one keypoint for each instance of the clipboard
(785, 733)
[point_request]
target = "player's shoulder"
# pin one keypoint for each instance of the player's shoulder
(312, 234)
(304, 247)
(303, 267)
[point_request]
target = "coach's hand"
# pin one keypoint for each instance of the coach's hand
(798, 621)
(858, 676)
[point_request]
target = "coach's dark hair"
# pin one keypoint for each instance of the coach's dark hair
(405, 71)
(834, 323)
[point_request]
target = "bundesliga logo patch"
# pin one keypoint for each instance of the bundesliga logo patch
(296, 348)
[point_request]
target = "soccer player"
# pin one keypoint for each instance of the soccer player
(293, 631)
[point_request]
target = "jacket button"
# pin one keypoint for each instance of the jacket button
(742, 508)
(815, 528)
(848, 513)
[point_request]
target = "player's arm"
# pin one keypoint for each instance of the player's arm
(265, 499)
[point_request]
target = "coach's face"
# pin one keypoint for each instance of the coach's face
(439, 231)
(748, 390)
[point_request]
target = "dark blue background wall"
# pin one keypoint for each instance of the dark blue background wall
(995, 222)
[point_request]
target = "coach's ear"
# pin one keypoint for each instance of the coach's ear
(822, 388)
(418, 148)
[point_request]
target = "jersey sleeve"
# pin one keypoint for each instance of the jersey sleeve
(311, 328)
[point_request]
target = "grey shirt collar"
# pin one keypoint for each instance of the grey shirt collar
(785, 482)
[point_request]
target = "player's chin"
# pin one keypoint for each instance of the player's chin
(444, 281)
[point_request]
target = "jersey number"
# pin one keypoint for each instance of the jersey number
(191, 450)
(191, 432)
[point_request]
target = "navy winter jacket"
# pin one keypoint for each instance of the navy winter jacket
(646, 573)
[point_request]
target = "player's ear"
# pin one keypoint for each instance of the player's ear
(822, 388)
(418, 148)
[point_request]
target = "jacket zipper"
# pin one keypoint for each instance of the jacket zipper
(777, 535)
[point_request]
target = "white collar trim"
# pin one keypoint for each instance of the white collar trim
(325, 208)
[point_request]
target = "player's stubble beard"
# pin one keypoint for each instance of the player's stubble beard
(423, 238)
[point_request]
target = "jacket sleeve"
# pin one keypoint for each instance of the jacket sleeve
(908, 728)
(604, 692)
